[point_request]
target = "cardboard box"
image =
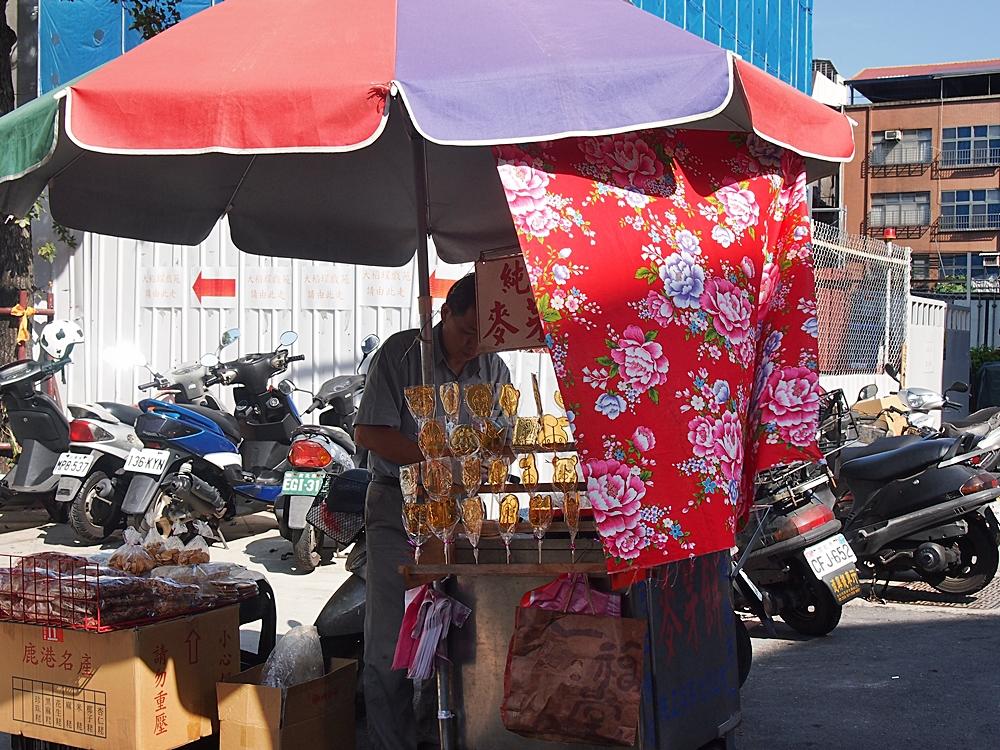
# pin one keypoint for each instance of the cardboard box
(318, 713)
(151, 687)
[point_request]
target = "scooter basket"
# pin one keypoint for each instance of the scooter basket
(343, 528)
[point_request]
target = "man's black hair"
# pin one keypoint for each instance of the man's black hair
(462, 295)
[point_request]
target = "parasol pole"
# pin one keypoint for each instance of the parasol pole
(424, 301)
(445, 715)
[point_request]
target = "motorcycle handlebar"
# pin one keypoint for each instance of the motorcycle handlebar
(296, 358)
(147, 386)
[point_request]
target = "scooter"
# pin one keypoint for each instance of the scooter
(796, 563)
(321, 489)
(913, 504)
(37, 422)
(198, 461)
(91, 474)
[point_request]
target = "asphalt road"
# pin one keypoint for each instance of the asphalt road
(891, 677)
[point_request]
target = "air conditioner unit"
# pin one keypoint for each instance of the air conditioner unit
(892, 135)
(990, 260)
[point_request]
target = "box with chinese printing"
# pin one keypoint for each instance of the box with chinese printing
(151, 686)
(318, 713)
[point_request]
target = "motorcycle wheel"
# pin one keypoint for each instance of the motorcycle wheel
(818, 616)
(89, 512)
(58, 512)
(980, 559)
(744, 650)
(307, 548)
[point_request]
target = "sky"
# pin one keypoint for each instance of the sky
(857, 34)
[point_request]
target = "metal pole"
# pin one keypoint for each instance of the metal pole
(424, 301)
(446, 724)
(968, 279)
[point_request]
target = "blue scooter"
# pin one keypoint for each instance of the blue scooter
(199, 463)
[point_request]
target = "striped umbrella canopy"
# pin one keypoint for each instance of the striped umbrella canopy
(348, 130)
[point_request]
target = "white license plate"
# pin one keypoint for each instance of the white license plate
(303, 483)
(73, 464)
(830, 555)
(147, 461)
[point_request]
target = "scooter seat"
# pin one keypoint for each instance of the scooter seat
(975, 419)
(122, 412)
(950, 429)
(226, 421)
(904, 462)
(882, 445)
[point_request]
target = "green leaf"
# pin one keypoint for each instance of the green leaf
(650, 335)
(752, 233)
(613, 373)
(605, 361)
(647, 273)
(645, 475)
(610, 344)
(551, 316)
(654, 396)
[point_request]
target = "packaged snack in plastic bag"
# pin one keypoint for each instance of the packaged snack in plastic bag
(171, 552)
(297, 658)
(195, 552)
(154, 542)
(132, 557)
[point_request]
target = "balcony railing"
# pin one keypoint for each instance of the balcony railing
(977, 223)
(970, 158)
(901, 155)
(904, 218)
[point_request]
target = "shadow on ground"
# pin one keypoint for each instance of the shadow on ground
(890, 677)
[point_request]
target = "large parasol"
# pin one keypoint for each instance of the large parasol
(350, 130)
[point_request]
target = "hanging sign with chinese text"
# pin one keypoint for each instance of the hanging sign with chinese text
(508, 314)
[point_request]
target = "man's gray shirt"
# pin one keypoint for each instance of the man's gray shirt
(396, 366)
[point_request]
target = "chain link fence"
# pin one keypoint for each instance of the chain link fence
(862, 294)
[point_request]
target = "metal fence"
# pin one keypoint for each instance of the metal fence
(862, 294)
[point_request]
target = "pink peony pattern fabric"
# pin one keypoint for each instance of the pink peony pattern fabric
(673, 275)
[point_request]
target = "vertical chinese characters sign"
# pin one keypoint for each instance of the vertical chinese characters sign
(672, 272)
(508, 313)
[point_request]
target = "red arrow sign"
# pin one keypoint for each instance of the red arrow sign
(213, 287)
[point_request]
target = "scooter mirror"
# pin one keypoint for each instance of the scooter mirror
(286, 387)
(209, 360)
(892, 371)
(229, 337)
(288, 338)
(958, 387)
(869, 391)
(370, 344)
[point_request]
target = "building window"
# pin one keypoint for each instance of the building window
(971, 146)
(970, 210)
(900, 210)
(912, 147)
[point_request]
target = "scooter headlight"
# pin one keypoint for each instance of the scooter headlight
(921, 398)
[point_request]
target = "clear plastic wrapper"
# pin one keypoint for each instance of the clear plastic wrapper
(195, 552)
(132, 557)
(297, 658)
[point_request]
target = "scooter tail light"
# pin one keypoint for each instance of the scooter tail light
(308, 454)
(82, 431)
(979, 483)
(801, 521)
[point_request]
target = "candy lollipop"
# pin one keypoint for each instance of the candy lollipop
(464, 440)
(433, 439)
(420, 399)
(472, 474)
(415, 523)
(438, 478)
(409, 479)
(509, 399)
(473, 515)
(529, 471)
(540, 516)
(510, 509)
(492, 437)
(442, 518)
(479, 398)
(451, 401)
(571, 515)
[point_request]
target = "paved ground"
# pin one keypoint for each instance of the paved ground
(891, 677)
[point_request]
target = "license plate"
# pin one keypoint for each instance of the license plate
(73, 464)
(829, 556)
(844, 585)
(147, 461)
(303, 483)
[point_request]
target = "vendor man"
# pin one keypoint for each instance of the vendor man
(385, 426)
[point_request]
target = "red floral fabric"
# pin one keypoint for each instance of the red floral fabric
(673, 274)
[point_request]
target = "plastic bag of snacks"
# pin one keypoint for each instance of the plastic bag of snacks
(297, 658)
(195, 552)
(132, 557)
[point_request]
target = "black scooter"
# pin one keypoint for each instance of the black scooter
(323, 492)
(912, 504)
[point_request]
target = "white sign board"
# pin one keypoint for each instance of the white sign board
(385, 287)
(163, 286)
(268, 288)
(328, 286)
